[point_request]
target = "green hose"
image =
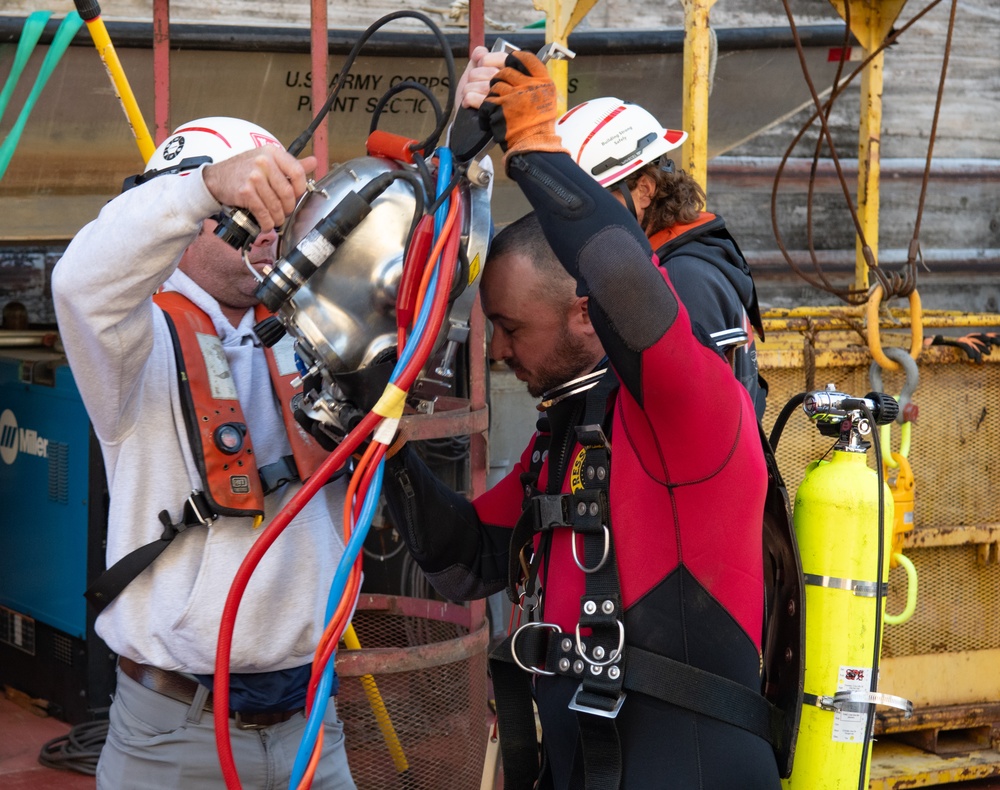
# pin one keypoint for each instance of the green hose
(33, 27)
(64, 35)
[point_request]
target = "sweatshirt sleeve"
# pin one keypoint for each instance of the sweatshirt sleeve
(104, 283)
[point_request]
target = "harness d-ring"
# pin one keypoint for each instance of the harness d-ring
(604, 557)
(916, 328)
(528, 603)
(513, 647)
(613, 657)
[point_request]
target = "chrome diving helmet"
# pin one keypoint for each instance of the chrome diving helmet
(335, 290)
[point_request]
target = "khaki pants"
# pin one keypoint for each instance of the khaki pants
(157, 743)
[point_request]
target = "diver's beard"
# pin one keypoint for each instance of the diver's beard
(576, 362)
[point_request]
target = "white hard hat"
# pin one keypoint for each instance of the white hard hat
(611, 138)
(216, 138)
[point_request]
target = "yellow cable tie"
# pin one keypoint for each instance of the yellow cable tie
(390, 405)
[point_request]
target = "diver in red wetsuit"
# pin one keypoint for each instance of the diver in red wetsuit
(632, 522)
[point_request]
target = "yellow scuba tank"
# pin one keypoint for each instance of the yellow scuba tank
(845, 560)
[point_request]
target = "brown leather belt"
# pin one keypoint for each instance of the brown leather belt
(182, 689)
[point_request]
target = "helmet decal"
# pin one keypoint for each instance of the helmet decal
(260, 140)
(173, 147)
(206, 130)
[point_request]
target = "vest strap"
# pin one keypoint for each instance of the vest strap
(273, 476)
(197, 512)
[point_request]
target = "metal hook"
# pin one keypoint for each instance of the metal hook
(909, 365)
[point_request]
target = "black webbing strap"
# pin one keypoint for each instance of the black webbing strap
(702, 692)
(600, 694)
(515, 716)
(109, 584)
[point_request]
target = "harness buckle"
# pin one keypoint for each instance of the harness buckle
(611, 713)
(513, 647)
(613, 657)
(193, 502)
(604, 557)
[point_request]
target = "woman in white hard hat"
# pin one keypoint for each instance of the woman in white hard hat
(625, 149)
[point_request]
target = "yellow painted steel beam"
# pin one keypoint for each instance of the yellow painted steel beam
(561, 17)
(831, 318)
(961, 535)
(870, 22)
(843, 349)
(697, 68)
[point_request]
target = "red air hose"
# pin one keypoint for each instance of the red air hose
(332, 463)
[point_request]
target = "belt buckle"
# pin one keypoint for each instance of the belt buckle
(246, 725)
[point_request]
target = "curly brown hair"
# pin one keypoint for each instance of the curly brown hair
(678, 198)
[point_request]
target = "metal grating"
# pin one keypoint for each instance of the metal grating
(434, 733)
(62, 649)
(954, 592)
(58, 454)
(955, 449)
(17, 630)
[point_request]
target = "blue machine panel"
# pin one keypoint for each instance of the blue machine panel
(44, 485)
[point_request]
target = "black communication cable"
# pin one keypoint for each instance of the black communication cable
(779, 424)
(879, 594)
(78, 750)
(399, 87)
(300, 142)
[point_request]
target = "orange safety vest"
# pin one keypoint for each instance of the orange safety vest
(216, 427)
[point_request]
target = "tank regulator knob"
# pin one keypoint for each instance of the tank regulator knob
(886, 407)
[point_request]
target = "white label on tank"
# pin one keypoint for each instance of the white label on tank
(849, 727)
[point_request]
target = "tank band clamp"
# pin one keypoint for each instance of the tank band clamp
(859, 588)
(857, 701)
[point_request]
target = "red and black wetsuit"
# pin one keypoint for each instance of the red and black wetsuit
(686, 492)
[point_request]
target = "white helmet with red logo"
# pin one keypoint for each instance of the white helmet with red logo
(611, 138)
(207, 140)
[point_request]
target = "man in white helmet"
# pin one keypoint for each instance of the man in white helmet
(194, 419)
(625, 149)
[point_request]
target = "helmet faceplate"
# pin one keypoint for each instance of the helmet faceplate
(610, 138)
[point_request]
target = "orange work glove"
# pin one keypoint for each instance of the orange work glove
(520, 108)
(975, 345)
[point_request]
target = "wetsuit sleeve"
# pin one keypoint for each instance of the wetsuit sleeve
(643, 326)
(463, 556)
(103, 284)
(603, 247)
